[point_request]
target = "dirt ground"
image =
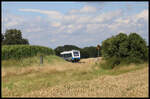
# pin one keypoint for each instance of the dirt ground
(131, 84)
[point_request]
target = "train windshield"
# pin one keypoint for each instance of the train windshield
(76, 53)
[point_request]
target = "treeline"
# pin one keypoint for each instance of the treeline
(86, 52)
(116, 49)
(14, 37)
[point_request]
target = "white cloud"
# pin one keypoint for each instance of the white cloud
(71, 19)
(53, 40)
(108, 16)
(133, 22)
(71, 28)
(12, 23)
(34, 30)
(96, 28)
(73, 11)
(91, 28)
(39, 18)
(13, 20)
(84, 10)
(56, 24)
(51, 14)
(87, 40)
(143, 14)
(76, 26)
(79, 26)
(123, 21)
(84, 19)
(88, 9)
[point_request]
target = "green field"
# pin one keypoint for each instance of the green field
(20, 78)
(24, 51)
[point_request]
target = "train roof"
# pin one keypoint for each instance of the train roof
(65, 52)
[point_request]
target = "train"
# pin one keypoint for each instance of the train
(73, 55)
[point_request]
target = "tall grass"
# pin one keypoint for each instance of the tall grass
(30, 61)
(55, 71)
(110, 63)
(23, 51)
(18, 82)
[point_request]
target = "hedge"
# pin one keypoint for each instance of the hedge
(23, 51)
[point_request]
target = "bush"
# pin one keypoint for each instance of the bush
(92, 51)
(84, 53)
(23, 51)
(137, 46)
(115, 46)
(124, 49)
(110, 63)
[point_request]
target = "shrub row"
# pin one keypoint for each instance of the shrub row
(23, 51)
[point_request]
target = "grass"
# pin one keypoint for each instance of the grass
(122, 69)
(31, 61)
(55, 71)
(110, 63)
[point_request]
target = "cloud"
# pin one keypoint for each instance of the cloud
(84, 19)
(108, 16)
(73, 11)
(123, 21)
(12, 20)
(56, 24)
(84, 10)
(34, 30)
(53, 40)
(143, 14)
(88, 9)
(51, 14)
(134, 23)
(81, 27)
(69, 19)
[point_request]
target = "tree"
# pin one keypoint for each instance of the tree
(121, 42)
(2, 37)
(137, 46)
(60, 49)
(132, 47)
(84, 53)
(14, 36)
(92, 51)
(115, 46)
(25, 41)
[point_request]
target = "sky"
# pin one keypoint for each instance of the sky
(82, 24)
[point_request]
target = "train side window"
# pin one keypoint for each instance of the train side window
(69, 55)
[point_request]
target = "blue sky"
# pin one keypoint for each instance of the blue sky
(82, 24)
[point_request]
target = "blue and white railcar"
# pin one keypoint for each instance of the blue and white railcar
(73, 55)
